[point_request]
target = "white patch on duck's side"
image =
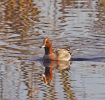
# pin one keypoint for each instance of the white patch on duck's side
(63, 54)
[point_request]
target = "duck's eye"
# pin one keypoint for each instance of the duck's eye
(47, 42)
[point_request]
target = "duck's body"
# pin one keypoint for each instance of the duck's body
(63, 54)
(60, 54)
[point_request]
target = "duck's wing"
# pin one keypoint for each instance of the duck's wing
(67, 49)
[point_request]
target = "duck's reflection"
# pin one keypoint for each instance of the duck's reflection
(63, 65)
(47, 76)
(50, 66)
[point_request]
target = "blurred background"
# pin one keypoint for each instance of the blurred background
(78, 24)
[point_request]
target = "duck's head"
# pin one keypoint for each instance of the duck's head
(47, 43)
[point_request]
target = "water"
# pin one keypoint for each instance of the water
(78, 24)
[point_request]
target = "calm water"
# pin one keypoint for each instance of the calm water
(78, 24)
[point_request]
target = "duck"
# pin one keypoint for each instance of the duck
(61, 54)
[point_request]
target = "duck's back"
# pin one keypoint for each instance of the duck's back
(63, 54)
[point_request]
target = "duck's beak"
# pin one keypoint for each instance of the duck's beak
(43, 46)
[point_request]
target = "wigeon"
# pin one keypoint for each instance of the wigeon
(61, 54)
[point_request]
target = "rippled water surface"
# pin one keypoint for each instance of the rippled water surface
(78, 24)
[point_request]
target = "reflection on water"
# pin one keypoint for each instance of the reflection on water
(100, 19)
(62, 67)
(78, 24)
(50, 66)
(18, 16)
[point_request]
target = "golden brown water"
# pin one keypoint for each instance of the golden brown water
(78, 24)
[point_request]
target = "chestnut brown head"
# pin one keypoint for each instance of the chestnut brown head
(47, 43)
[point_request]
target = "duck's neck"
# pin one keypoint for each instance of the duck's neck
(48, 50)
